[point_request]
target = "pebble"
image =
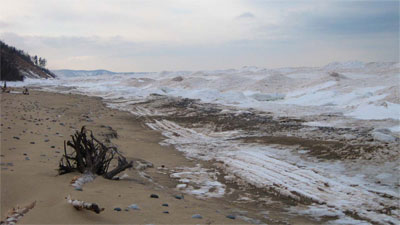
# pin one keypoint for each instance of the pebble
(52, 146)
(78, 189)
(166, 212)
(117, 209)
(153, 196)
(231, 217)
(32, 142)
(179, 196)
(165, 204)
(46, 140)
(134, 206)
(25, 153)
(15, 137)
(197, 216)
(27, 158)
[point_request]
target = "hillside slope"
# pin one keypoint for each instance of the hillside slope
(16, 65)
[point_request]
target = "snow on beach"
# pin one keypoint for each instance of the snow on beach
(343, 95)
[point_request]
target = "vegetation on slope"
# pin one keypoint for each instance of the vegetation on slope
(17, 64)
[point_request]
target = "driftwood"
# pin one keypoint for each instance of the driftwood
(91, 157)
(78, 205)
(16, 214)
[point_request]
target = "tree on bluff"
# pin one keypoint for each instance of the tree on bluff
(8, 68)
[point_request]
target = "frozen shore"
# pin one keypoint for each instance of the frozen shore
(325, 138)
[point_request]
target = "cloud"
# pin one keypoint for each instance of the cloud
(246, 15)
(186, 34)
(364, 18)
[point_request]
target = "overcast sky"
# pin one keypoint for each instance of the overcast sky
(147, 35)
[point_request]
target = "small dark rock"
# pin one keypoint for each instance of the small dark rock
(46, 140)
(153, 196)
(179, 197)
(27, 158)
(32, 142)
(197, 216)
(25, 153)
(231, 217)
(117, 209)
(52, 146)
(15, 137)
(165, 204)
(166, 212)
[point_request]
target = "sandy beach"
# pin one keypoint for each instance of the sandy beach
(33, 129)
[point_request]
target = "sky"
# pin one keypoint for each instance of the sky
(157, 35)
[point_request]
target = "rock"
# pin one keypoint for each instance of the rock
(177, 79)
(27, 158)
(166, 212)
(197, 216)
(134, 206)
(52, 146)
(25, 153)
(78, 189)
(153, 196)
(179, 197)
(165, 205)
(43, 155)
(15, 137)
(46, 140)
(10, 164)
(231, 217)
(32, 142)
(117, 209)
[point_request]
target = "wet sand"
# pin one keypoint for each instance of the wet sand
(33, 129)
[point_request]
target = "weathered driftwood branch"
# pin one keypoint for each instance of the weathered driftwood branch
(91, 156)
(78, 205)
(78, 182)
(16, 214)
